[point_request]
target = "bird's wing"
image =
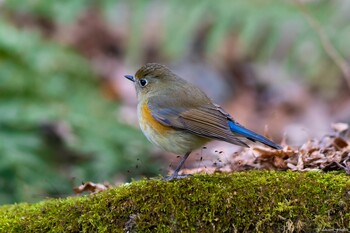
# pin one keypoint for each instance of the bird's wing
(209, 121)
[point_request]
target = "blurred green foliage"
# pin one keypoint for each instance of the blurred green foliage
(44, 86)
(268, 30)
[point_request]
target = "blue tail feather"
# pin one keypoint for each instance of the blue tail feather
(238, 129)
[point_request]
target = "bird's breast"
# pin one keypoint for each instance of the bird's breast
(166, 137)
(148, 123)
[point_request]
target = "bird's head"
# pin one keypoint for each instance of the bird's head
(152, 78)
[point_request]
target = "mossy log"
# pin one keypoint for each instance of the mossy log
(254, 201)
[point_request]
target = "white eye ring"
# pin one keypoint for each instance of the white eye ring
(143, 82)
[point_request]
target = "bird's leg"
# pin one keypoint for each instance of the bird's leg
(175, 175)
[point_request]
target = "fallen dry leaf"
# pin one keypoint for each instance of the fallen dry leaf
(91, 187)
(340, 127)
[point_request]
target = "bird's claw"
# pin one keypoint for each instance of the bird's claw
(176, 176)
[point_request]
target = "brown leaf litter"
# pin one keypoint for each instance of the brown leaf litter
(331, 152)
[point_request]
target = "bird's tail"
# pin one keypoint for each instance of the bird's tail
(238, 129)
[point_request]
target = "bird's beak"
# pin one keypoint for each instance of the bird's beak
(130, 77)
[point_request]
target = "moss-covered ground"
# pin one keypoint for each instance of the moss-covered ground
(254, 201)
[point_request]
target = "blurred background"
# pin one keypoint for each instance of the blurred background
(67, 114)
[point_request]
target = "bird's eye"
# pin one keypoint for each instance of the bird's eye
(143, 82)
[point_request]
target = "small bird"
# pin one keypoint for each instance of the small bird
(178, 117)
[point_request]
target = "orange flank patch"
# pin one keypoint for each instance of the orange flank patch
(148, 119)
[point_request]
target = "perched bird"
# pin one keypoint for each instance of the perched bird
(179, 117)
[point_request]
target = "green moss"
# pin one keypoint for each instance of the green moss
(242, 202)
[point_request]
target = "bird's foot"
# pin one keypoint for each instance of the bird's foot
(176, 176)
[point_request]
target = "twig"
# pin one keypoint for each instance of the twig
(327, 45)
